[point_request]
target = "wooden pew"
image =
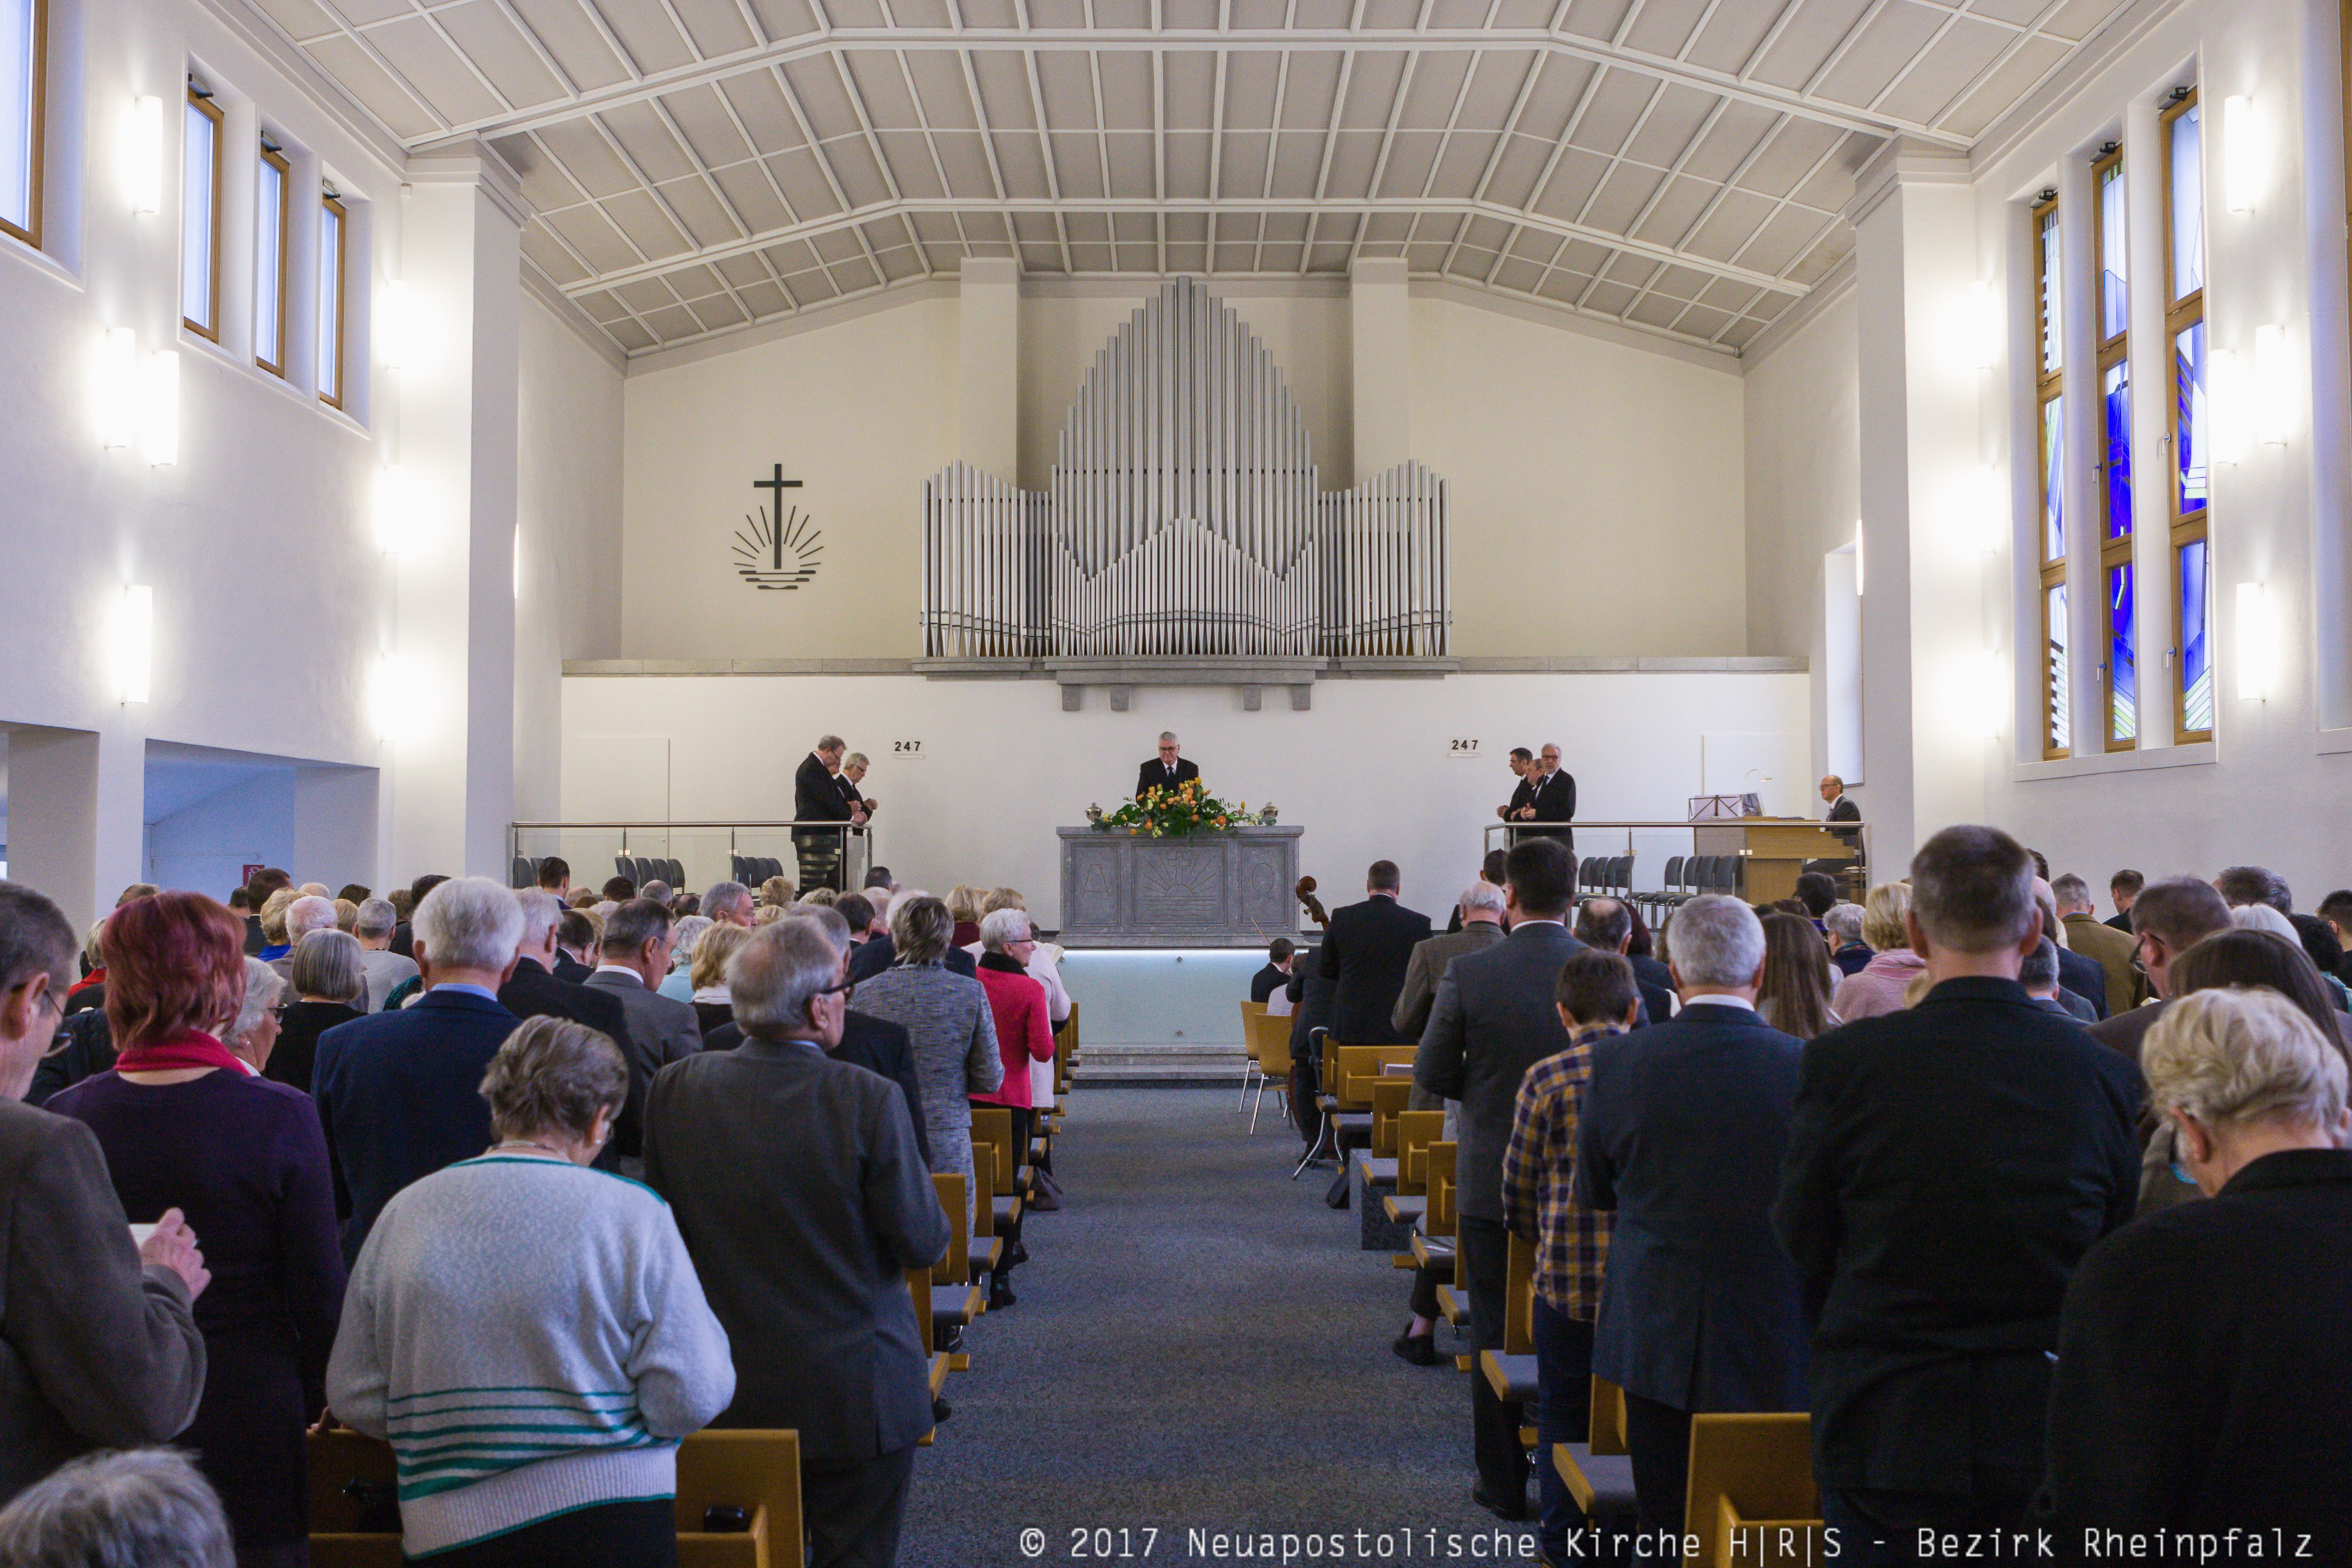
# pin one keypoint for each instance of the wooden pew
(1452, 1294)
(1597, 1473)
(987, 1246)
(957, 1299)
(759, 1472)
(1414, 1132)
(1389, 1096)
(1751, 1500)
(1511, 1370)
(1009, 1177)
(918, 1289)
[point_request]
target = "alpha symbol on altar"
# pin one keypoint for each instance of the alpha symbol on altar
(777, 548)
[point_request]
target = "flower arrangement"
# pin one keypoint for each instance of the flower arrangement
(1174, 811)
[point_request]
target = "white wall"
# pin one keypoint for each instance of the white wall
(1596, 486)
(1365, 771)
(568, 522)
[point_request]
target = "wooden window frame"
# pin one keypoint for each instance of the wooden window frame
(329, 201)
(2195, 527)
(2050, 384)
(37, 128)
(285, 263)
(202, 103)
(2115, 549)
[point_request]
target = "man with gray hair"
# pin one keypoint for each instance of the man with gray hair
(397, 1090)
(303, 916)
(2126, 986)
(730, 902)
(1948, 1167)
(98, 1345)
(1847, 950)
(151, 1507)
(1682, 1133)
(1481, 904)
(796, 1182)
(386, 970)
(533, 990)
(1608, 924)
(631, 964)
(1167, 770)
(817, 797)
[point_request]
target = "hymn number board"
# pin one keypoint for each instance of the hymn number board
(777, 548)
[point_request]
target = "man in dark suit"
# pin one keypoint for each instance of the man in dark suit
(1948, 1167)
(851, 782)
(1682, 1133)
(2168, 919)
(575, 944)
(1551, 797)
(817, 797)
(1608, 924)
(1277, 972)
(1841, 809)
(533, 992)
(2078, 972)
(2123, 890)
(1481, 911)
(1367, 950)
(266, 881)
(796, 1184)
(1523, 769)
(879, 951)
(1493, 1020)
(1166, 769)
(632, 960)
(398, 1092)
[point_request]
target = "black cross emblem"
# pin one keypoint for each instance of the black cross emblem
(780, 485)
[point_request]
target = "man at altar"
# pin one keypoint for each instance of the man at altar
(1166, 769)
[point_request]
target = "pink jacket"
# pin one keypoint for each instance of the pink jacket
(1023, 1033)
(1878, 986)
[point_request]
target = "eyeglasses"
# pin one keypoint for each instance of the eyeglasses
(838, 988)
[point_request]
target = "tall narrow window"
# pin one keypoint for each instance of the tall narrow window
(200, 203)
(333, 226)
(2119, 658)
(269, 253)
(24, 42)
(2182, 130)
(2049, 369)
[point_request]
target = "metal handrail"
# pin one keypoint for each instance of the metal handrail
(815, 822)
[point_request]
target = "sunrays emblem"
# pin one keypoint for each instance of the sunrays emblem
(777, 548)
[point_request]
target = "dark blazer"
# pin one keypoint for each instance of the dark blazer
(1493, 1020)
(568, 968)
(2205, 1364)
(399, 1097)
(2086, 977)
(815, 797)
(1266, 982)
(869, 959)
(531, 991)
(85, 1046)
(1682, 1133)
(1657, 1003)
(2121, 922)
(1555, 802)
(1843, 809)
(254, 941)
(1948, 1165)
(299, 1029)
(1368, 949)
(1410, 1013)
(796, 1184)
(1851, 960)
(1157, 773)
(2076, 1005)
(2123, 1032)
(1522, 793)
(96, 1350)
(664, 1028)
(878, 1045)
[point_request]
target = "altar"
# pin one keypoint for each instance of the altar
(1205, 889)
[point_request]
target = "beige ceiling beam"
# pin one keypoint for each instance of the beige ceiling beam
(1663, 68)
(857, 218)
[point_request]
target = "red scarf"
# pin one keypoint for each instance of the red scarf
(192, 1049)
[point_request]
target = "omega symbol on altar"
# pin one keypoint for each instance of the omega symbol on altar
(776, 548)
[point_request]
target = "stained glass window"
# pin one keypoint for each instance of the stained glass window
(2188, 191)
(2123, 657)
(2052, 336)
(2116, 407)
(2053, 636)
(2196, 637)
(2053, 480)
(2115, 270)
(2191, 433)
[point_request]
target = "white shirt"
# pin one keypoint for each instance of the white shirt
(1719, 1000)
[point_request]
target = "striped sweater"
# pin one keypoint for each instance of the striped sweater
(530, 1337)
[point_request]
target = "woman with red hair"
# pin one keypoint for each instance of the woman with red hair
(188, 1122)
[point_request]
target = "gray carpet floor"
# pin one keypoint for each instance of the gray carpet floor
(1199, 1344)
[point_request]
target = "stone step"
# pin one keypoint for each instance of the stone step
(1163, 1062)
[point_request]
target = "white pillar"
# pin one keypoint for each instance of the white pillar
(74, 814)
(453, 790)
(988, 424)
(1379, 342)
(1928, 682)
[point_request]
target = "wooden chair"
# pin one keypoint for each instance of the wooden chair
(1751, 1500)
(354, 1507)
(957, 1299)
(987, 1246)
(1412, 1133)
(1389, 1096)
(759, 1472)
(918, 1291)
(1511, 1370)
(1010, 1178)
(1453, 1295)
(1274, 1066)
(1597, 1472)
(1251, 1013)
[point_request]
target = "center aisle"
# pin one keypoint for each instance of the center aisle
(1199, 1344)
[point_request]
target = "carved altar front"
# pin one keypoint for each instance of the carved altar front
(1208, 889)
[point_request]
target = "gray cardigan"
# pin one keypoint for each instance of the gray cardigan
(947, 1019)
(95, 1350)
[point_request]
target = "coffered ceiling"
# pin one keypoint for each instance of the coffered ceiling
(1677, 166)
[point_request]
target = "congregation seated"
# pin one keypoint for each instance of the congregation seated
(2204, 1357)
(328, 980)
(466, 1308)
(1946, 1168)
(731, 903)
(1277, 972)
(797, 1185)
(950, 1027)
(148, 1505)
(1793, 995)
(1848, 952)
(187, 1123)
(1878, 986)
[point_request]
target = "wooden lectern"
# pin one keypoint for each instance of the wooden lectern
(1772, 851)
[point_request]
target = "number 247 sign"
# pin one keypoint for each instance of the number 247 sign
(1460, 748)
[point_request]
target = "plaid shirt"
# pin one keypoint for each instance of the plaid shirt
(1539, 1180)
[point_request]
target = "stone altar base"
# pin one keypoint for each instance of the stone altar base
(1206, 889)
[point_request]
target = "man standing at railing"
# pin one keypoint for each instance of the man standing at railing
(1551, 797)
(817, 797)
